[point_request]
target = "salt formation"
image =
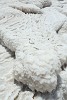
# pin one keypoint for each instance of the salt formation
(33, 49)
(8, 89)
(39, 3)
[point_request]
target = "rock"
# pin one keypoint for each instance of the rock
(27, 8)
(33, 49)
(8, 91)
(48, 26)
(39, 3)
(36, 71)
(5, 60)
(56, 26)
(27, 95)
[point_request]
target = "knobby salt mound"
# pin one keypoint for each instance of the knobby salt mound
(37, 37)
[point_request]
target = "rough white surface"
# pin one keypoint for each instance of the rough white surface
(38, 36)
(63, 76)
(39, 3)
(30, 37)
(63, 30)
(8, 90)
(37, 69)
(27, 8)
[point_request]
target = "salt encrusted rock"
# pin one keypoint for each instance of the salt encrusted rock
(31, 27)
(27, 95)
(54, 23)
(39, 3)
(8, 91)
(38, 46)
(31, 58)
(5, 60)
(27, 8)
(38, 61)
(38, 68)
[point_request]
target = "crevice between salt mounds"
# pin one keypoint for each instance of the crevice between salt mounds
(30, 8)
(40, 3)
(46, 95)
(12, 53)
(57, 31)
(64, 66)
